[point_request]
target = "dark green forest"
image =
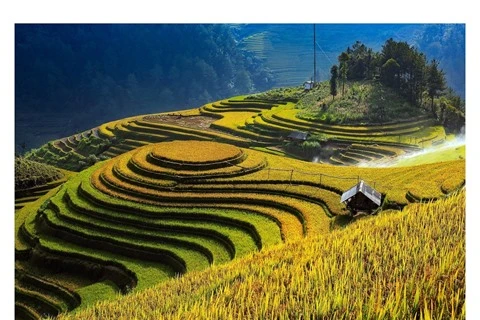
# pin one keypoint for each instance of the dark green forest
(408, 71)
(130, 69)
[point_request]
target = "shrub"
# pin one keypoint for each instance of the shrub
(30, 173)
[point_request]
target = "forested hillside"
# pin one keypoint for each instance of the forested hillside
(287, 49)
(70, 78)
(78, 76)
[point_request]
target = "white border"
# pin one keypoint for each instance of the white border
(209, 11)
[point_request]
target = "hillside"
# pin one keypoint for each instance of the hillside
(166, 195)
(362, 271)
(366, 102)
(264, 121)
(287, 50)
(80, 75)
(177, 207)
(72, 77)
(35, 179)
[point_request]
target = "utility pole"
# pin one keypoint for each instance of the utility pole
(314, 57)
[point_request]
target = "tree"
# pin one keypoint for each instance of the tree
(390, 73)
(343, 60)
(333, 81)
(243, 83)
(435, 82)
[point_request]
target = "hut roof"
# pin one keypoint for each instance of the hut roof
(298, 135)
(364, 188)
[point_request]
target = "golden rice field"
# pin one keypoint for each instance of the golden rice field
(192, 194)
(244, 122)
(399, 265)
(180, 207)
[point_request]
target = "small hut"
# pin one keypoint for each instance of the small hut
(298, 136)
(308, 85)
(361, 197)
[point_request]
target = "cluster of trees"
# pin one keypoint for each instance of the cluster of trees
(118, 70)
(401, 67)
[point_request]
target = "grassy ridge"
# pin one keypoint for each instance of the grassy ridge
(371, 275)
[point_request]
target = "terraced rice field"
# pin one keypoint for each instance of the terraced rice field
(360, 272)
(71, 153)
(175, 207)
(267, 123)
(244, 122)
(26, 196)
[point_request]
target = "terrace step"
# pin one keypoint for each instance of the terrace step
(110, 154)
(123, 271)
(123, 245)
(213, 245)
(228, 232)
(61, 144)
(24, 311)
(68, 300)
(42, 303)
(190, 215)
(111, 185)
(69, 141)
(365, 153)
(357, 156)
(346, 159)
(336, 161)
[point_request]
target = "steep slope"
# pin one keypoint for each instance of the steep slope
(402, 265)
(182, 206)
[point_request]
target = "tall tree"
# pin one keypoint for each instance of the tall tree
(390, 73)
(343, 60)
(435, 82)
(333, 81)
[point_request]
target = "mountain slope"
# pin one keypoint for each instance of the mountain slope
(287, 49)
(398, 265)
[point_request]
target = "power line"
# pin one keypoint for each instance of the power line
(314, 56)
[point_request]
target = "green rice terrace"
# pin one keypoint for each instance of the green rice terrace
(265, 121)
(162, 195)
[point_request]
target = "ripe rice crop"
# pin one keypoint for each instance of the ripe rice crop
(196, 151)
(405, 265)
(195, 211)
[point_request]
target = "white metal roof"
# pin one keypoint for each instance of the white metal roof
(364, 188)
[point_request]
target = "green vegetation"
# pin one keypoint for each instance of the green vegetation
(178, 207)
(29, 174)
(72, 153)
(333, 81)
(292, 94)
(404, 69)
(364, 102)
(327, 276)
(367, 112)
(196, 189)
(33, 180)
(203, 213)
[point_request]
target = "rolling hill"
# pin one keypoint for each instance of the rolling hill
(185, 193)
